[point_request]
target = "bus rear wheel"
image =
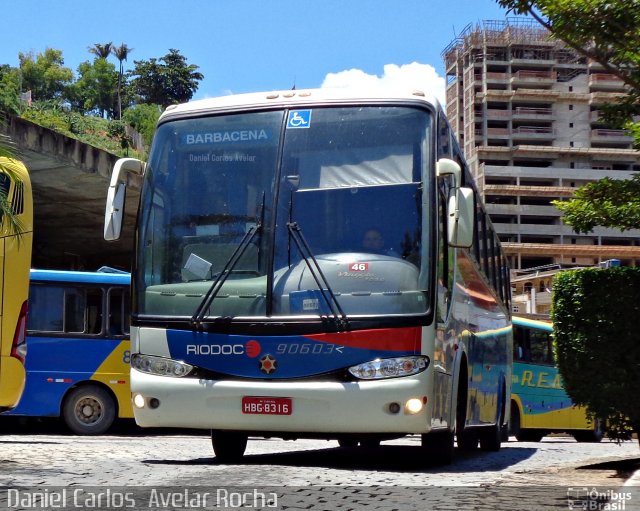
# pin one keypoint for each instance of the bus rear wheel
(595, 435)
(529, 435)
(89, 410)
(228, 446)
(491, 436)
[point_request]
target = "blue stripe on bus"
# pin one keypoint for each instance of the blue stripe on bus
(244, 356)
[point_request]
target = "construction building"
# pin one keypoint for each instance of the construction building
(527, 111)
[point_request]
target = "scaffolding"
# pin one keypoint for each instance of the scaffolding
(508, 32)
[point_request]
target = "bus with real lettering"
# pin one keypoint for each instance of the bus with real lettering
(315, 264)
(78, 338)
(540, 404)
(16, 235)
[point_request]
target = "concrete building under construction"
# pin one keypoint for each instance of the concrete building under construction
(527, 111)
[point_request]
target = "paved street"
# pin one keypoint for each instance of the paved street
(311, 474)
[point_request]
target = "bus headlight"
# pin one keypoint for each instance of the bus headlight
(160, 366)
(390, 367)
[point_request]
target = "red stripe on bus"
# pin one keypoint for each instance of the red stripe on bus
(386, 339)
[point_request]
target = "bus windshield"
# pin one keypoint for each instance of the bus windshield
(329, 202)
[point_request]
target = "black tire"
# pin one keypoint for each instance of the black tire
(514, 423)
(491, 436)
(504, 432)
(530, 435)
(88, 410)
(370, 443)
(467, 440)
(592, 436)
(347, 442)
(228, 446)
(439, 447)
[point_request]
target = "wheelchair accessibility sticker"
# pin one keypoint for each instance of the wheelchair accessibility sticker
(299, 119)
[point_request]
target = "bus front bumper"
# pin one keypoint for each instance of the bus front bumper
(398, 405)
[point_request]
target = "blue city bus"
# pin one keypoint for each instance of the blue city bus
(77, 366)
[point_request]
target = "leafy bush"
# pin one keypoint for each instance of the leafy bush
(47, 118)
(595, 314)
(143, 118)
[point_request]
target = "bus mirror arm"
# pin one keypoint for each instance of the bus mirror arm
(114, 210)
(447, 167)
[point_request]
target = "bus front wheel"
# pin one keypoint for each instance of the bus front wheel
(439, 447)
(89, 410)
(228, 446)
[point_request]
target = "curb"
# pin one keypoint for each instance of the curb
(634, 480)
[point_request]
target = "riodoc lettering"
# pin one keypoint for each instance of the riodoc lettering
(215, 349)
(217, 137)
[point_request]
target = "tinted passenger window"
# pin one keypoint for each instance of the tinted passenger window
(65, 309)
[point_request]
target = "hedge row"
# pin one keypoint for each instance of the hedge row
(596, 316)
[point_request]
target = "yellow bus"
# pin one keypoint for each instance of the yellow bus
(15, 262)
(540, 404)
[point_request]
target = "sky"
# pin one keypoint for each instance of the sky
(256, 45)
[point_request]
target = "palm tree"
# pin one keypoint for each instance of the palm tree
(121, 53)
(7, 155)
(102, 51)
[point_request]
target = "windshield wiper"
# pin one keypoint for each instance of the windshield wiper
(222, 277)
(341, 320)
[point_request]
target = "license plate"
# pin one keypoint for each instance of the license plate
(267, 405)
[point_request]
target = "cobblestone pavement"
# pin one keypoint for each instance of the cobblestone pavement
(311, 474)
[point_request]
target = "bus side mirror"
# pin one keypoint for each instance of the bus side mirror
(461, 207)
(460, 220)
(116, 194)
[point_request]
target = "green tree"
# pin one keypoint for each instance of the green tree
(121, 53)
(166, 81)
(9, 89)
(44, 74)
(95, 88)
(607, 203)
(101, 51)
(608, 32)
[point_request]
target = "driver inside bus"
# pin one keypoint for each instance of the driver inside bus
(373, 242)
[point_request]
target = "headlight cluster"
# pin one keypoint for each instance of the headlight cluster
(390, 367)
(160, 366)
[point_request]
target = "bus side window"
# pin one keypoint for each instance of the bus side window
(45, 308)
(519, 344)
(445, 261)
(118, 311)
(83, 310)
(444, 137)
(94, 311)
(541, 350)
(74, 307)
